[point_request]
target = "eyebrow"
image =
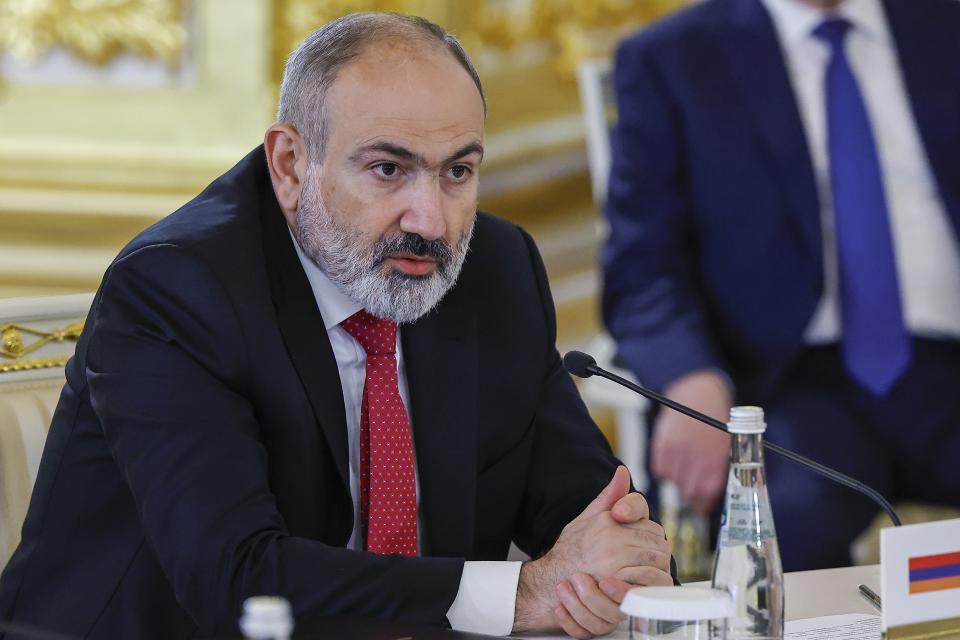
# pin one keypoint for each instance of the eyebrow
(406, 154)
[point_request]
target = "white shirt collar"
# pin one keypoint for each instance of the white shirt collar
(335, 306)
(796, 20)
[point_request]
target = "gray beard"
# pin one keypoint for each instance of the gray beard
(359, 271)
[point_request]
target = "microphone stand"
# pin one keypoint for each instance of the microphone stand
(584, 366)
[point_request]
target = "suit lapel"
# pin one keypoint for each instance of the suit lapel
(440, 357)
(303, 331)
(920, 49)
(758, 67)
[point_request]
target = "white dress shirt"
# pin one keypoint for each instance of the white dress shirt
(925, 243)
(487, 596)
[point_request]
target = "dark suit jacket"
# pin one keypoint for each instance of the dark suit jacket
(198, 455)
(714, 257)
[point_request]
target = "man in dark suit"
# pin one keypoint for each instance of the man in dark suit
(328, 378)
(784, 205)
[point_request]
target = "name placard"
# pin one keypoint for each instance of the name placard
(920, 580)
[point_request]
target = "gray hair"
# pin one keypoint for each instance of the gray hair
(313, 66)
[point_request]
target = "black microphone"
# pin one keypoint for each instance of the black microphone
(583, 365)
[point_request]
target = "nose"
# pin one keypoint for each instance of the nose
(424, 216)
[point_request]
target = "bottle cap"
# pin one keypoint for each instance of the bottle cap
(746, 420)
(677, 603)
(266, 617)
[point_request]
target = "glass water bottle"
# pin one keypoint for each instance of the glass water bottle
(747, 562)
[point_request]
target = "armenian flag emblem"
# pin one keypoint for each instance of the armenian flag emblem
(935, 573)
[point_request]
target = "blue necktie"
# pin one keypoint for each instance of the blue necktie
(876, 345)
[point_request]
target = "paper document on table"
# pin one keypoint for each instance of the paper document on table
(853, 626)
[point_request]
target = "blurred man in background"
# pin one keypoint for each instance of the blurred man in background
(784, 205)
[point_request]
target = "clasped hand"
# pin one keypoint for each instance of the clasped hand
(579, 584)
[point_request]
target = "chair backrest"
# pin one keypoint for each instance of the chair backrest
(37, 337)
(594, 79)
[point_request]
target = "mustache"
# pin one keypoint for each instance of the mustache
(413, 244)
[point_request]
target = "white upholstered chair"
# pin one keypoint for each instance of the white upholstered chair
(597, 105)
(37, 337)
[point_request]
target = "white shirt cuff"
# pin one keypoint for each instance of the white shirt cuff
(486, 599)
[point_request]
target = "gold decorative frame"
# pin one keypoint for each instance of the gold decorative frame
(94, 30)
(93, 162)
(12, 346)
(105, 148)
(34, 363)
(574, 29)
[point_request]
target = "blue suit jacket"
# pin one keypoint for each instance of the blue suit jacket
(198, 455)
(714, 257)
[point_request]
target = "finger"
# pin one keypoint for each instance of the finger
(580, 612)
(713, 492)
(663, 446)
(702, 503)
(646, 557)
(645, 576)
(617, 488)
(596, 600)
(569, 625)
(706, 490)
(647, 527)
(658, 454)
(615, 588)
(692, 484)
(626, 547)
(630, 508)
(679, 470)
(644, 533)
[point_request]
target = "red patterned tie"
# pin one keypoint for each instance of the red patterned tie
(388, 494)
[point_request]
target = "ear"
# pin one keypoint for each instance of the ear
(287, 160)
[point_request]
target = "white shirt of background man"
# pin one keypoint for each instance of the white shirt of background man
(925, 242)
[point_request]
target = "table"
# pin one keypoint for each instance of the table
(829, 591)
(826, 592)
(808, 594)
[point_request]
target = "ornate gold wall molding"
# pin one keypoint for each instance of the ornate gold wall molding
(33, 363)
(13, 347)
(84, 166)
(12, 343)
(573, 29)
(93, 30)
(293, 20)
